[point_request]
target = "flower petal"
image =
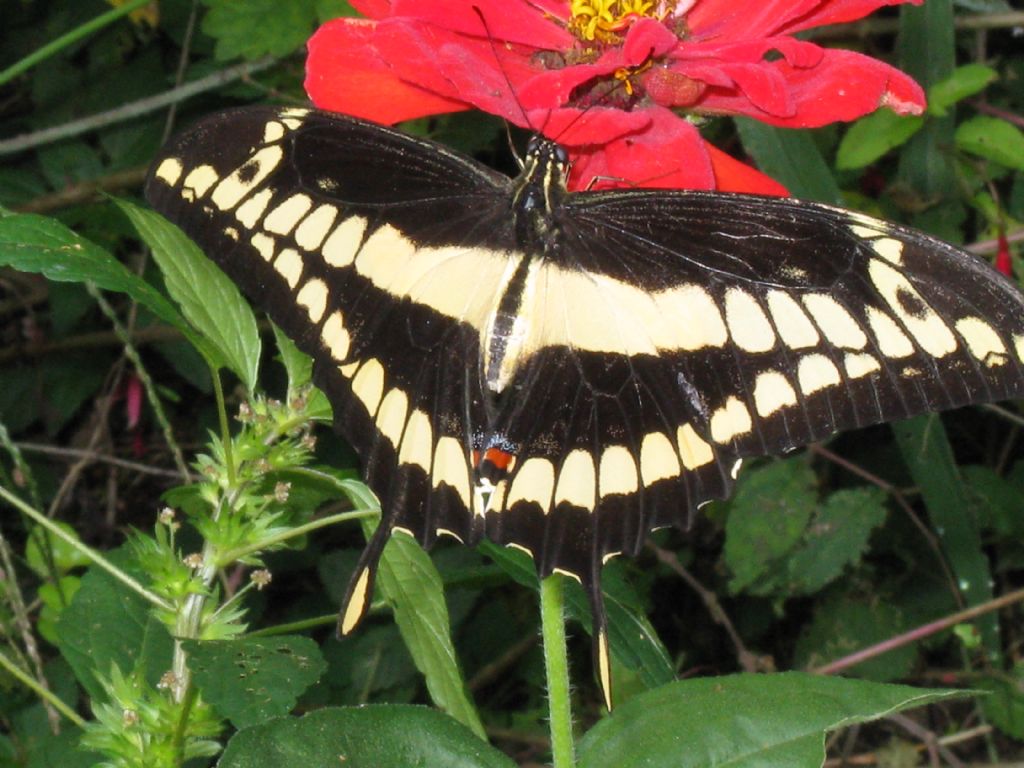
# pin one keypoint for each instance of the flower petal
(345, 73)
(498, 21)
(844, 86)
(668, 154)
(647, 38)
(372, 9)
(731, 175)
(840, 12)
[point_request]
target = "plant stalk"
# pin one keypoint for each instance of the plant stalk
(556, 664)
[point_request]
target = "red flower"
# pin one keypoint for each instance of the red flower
(608, 79)
(1003, 261)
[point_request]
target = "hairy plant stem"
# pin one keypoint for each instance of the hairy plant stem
(556, 664)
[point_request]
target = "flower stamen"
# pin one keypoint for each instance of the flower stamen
(605, 20)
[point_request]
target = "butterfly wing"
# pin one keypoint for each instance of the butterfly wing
(361, 243)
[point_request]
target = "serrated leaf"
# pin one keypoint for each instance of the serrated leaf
(845, 624)
(836, 538)
(298, 365)
(412, 586)
(375, 736)
(741, 721)
(965, 81)
(210, 301)
(994, 139)
(767, 517)
(107, 624)
(871, 137)
(259, 27)
(253, 679)
(42, 245)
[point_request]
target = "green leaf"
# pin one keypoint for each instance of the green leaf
(965, 81)
(929, 456)
(43, 245)
(210, 301)
(846, 623)
(871, 137)
(253, 679)
(259, 27)
(42, 549)
(298, 365)
(836, 537)
(375, 736)
(741, 721)
(1004, 706)
(994, 139)
(412, 586)
(767, 517)
(996, 499)
(107, 624)
(792, 158)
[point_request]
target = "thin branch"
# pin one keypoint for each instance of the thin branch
(85, 191)
(78, 453)
(919, 633)
(133, 109)
(749, 661)
(890, 26)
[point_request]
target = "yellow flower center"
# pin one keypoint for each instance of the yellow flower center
(605, 20)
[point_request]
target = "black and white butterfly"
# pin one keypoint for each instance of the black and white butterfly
(562, 372)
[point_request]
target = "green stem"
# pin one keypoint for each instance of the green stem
(226, 558)
(62, 42)
(41, 691)
(225, 429)
(552, 622)
(95, 557)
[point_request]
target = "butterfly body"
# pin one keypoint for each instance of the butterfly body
(562, 372)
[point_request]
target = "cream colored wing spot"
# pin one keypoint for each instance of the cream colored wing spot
(889, 249)
(349, 370)
(233, 233)
(617, 473)
(368, 385)
(291, 123)
(520, 547)
(451, 468)
(357, 604)
(982, 341)
(574, 576)
(264, 245)
(577, 480)
(1018, 345)
(772, 393)
(314, 228)
(658, 458)
(816, 372)
(385, 257)
(417, 442)
(273, 131)
(923, 322)
(836, 323)
(289, 265)
(892, 342)
(391, 415)
(748, 324)
(534, 482)
(496, 501)
(447, 532)
(313, 296)
(792, 323)
(693, 450)
(169, 171)
(344, 242)
(250, 175)
(860, 364)
(250, 212)
(282, 220)
(729, 421)
(864, 232)
(199, 181)
(335, 336)
(298, 113)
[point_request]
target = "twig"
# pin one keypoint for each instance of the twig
(78, 453)
(84, 191)
(490, 672)
(133, 109)
(749, 661)
(890, 26)
(919, 633)
(929, 739)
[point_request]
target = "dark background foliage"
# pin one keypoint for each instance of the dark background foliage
(829, 551)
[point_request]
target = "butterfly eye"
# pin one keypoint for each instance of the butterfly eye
(561, 155)
(534, 144)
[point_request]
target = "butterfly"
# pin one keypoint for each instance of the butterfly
(562, 372)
